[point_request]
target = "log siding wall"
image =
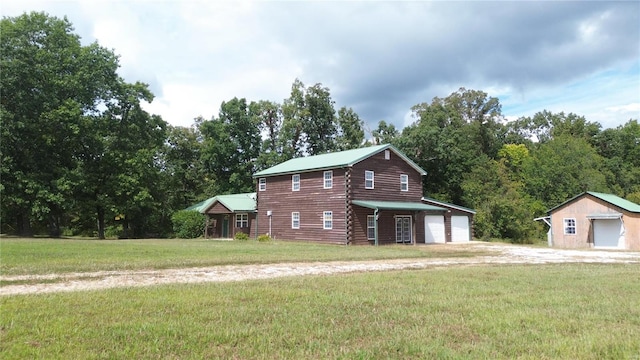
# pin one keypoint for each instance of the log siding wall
(311, 201)
(386, 179)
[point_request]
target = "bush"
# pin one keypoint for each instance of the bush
(241, 236)
(264, 238)
(188, 224)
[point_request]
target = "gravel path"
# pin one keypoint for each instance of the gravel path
(504, 254)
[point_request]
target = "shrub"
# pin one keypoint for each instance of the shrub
(188, 224)
(241, 236)
(264, 238)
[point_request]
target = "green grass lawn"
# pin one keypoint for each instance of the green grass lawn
(43, 256)
(566, 311)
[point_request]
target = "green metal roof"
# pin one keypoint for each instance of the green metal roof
(458, 207)
(332, 160)
(396, 205)
(617, 201)
(245, 202)
(610, 198)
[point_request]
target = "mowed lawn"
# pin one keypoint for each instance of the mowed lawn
(20, 256)
(571, 311)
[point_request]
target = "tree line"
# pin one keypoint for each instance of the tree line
(80, 156)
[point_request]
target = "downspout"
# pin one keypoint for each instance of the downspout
(375, 226)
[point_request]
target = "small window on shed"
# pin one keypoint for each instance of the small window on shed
(570, 226)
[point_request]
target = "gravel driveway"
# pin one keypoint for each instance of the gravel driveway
(502, 254)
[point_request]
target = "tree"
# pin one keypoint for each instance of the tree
(561, 168)
(350, 133)
(49, 83)
(384, 133)
(231, 144)
(118, 166)
(450, 136)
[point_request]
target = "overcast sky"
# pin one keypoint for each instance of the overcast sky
(380, 58)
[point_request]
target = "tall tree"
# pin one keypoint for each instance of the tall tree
(561, 168)
(449, 138)
(231, 145)
(350, 132)
(384, 133)
(49, 83)
(118, 167)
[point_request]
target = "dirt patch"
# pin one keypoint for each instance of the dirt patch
(502, 254)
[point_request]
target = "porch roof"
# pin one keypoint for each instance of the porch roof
(396, 205)
(245, 202)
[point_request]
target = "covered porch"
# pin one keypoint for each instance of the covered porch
(390, 222)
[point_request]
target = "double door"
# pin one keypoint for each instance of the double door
(403, 229)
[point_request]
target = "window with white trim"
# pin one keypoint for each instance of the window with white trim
(404, 182)
(569, 226)
(328, 179)
(387, 155)
(262, 184)
(368, 179)
(295, 220)
(295, 182)
(242, 220)
(327, 220)
(371, 227)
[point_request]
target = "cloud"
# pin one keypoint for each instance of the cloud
(379, 58)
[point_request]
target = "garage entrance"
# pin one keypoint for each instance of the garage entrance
(434, 229)
(608, 233)
(460, 229)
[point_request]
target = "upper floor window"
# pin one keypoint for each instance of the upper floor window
(570, 226)
(368, 179)
(295, 220)
(262, 184)
(295, 182)
(242, 220)
(327, 220)
(404, 182)
(328, 179)
(387, 155)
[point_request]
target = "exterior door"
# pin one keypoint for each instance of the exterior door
(225, 227)
(403, 229)
(607, 233)
(434, 229)
(460, 229)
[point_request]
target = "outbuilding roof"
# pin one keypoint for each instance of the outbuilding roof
(445, 204)
(245, 202)
(609, 198)
(397, 205)
(334, 160)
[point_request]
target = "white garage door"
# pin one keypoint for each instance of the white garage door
(608, 233)
(460, 229)
(434, 229)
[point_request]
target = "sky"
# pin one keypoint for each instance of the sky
(378, 57)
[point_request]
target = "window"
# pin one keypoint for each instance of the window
(371, 227)
(368, 179)
(295, 220)
(387, 155)
(328, 179)
(404, 182)
(262, 184)
(242, 220)
(295, 182)
(327, 220)
(569, 226)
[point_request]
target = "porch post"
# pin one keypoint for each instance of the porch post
(375, 226)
